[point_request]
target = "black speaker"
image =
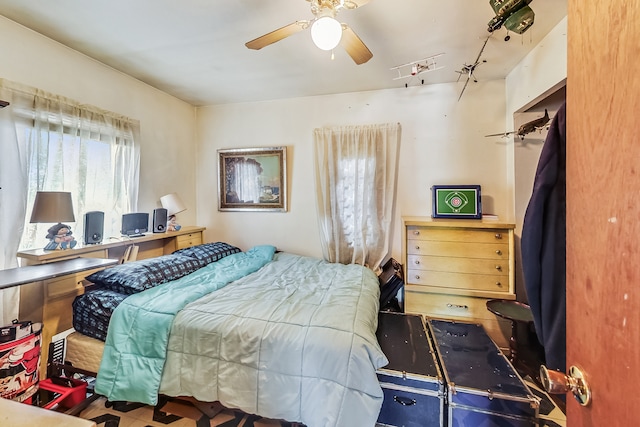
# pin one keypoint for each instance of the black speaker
(135, 224)
(159, 220)
(93, 227)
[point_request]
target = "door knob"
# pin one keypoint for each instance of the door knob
(556, 382)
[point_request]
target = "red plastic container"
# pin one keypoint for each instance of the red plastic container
(69, 396)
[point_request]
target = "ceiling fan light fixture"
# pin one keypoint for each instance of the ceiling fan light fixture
(326, 33)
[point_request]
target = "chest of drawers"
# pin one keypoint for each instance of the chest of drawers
(452, 267)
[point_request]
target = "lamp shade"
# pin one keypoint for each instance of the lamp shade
(326, 33)
(172, 203)
(52, 206)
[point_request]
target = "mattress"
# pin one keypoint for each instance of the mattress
(84, 352)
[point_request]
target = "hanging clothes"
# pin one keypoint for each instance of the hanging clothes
(543, 244)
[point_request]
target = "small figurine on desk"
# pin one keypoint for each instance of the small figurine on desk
(173, 225)
(60, 237)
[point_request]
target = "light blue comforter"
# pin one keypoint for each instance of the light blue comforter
(136, 346)
(294, 340)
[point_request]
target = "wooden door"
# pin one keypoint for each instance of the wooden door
(603, 208)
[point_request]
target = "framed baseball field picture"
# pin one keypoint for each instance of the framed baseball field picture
(457, 201)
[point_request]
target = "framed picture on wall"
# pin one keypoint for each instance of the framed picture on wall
(456, 201)
(252, 179)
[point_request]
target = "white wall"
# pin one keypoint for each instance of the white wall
(167, 124)
(442, 143)
(540, 73)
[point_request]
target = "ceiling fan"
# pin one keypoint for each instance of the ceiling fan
(326, 31)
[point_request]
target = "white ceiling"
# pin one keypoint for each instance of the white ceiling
(194, 49)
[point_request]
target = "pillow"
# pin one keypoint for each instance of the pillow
(133, 277)
(208, 252)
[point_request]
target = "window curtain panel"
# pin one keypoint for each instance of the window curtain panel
(13, 201)
(57, 144)
(356, 175)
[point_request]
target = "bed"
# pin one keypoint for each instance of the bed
(274, 334)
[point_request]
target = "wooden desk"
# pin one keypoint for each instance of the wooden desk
(56, 275)
(48, 300)
(151, 245)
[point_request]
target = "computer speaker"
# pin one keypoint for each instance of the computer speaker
(93, 227)
(159, 220)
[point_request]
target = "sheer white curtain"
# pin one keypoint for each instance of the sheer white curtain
(356, 174)
(13, 201)
(61, 145)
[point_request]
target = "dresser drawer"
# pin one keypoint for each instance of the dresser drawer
(67, 285)
(188, 240)
(497, 267)
(451, 280)
(416, 232)
(458, 249)
(447, 306)
(99, 252)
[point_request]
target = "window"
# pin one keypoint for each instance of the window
(79, 149)
(356, 202)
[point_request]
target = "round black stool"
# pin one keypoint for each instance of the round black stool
(516, 312)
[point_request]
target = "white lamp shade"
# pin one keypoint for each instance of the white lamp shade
(52, 206)
(326, 33)
(172, 203)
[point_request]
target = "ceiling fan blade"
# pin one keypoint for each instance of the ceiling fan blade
(277, 35)
(354, 46)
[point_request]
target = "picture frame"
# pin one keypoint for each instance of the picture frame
(252, 179)
(457, 201)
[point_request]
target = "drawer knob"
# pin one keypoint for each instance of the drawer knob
(416, 233)
(417, 247)
(498, 235)
(499, 268)
(498, 252)
(462, 307)
(417, 261)
(498, 284)
(417, 277)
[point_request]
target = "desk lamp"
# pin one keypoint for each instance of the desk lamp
(172, 203)
(55, 206)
